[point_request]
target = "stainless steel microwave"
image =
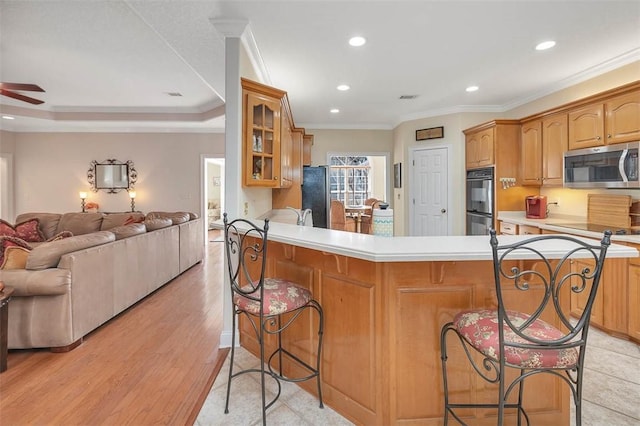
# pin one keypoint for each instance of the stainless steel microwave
(610, 166)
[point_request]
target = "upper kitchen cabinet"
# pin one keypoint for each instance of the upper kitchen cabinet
(261, 137)
(622, 115)
(544, 143)
(307, 143)
(612, 120)
(479, 148)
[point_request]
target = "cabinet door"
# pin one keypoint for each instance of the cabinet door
(623, 118)
(471, 151)
(528, 230)
(579, 300)
(485, 148)
(586, 127)
(286, 154)
(531, 160)
(555, 143)
(634, 302)
(307, 143)
(262, 141)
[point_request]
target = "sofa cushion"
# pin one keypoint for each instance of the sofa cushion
(29, 230)
(157, 223)
(112, 220)
(80, 223)
(126, 231)
(176, 217)
(193, 216)
(59, 236)
(48, 255)
(48, 222)
(15, 258)
(7, 241)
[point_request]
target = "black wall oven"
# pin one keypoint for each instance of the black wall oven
(479, 201)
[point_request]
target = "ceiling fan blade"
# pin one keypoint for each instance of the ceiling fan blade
(21, 86)
(20, 97)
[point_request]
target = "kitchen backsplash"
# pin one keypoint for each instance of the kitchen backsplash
(574, 201)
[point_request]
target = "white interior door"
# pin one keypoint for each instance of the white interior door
(430, 192)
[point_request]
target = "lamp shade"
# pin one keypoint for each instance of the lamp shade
(82, 194)
(132, 194)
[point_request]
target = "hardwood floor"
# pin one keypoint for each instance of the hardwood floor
(153, 364)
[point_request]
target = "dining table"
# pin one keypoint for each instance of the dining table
(357, 212)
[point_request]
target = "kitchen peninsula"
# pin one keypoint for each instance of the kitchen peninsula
(385, 301)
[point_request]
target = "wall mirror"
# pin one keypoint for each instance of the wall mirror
(112, 175)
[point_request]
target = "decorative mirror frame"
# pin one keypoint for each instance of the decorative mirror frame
(132, 175)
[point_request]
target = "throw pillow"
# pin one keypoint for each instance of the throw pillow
(9, 241)
(61, 235)
(15, 258)
(131, 219)
(28, 230)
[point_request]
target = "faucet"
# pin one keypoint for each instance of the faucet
(302, 215)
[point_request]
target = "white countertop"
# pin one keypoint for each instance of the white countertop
(408, 249)
(554, 223)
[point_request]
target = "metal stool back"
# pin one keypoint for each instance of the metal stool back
(525, 341)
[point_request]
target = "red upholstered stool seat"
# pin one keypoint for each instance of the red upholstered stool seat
(280, 296)
(480, 329)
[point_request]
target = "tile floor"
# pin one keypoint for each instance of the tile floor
(611, 392)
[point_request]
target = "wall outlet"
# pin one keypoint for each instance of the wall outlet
(246, 208)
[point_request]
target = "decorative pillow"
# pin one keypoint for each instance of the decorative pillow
(61, 235)
(48, 221)
(15, 258)
(138, 219)
(28, 231)
(8, 241)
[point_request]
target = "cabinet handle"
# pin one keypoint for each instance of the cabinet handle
(597, 138)
(609, 135)
(275, 178)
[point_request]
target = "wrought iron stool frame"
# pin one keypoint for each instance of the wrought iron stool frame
(246, 242)
(574, 338)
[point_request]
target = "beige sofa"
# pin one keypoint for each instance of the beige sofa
(71, 286)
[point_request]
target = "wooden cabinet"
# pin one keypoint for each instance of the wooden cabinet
(633, 305)
(622, 115)
(307, 143)
(479, 149)
(528, 230)
(579, 300)
(613, 121)
(544, 143)
(507, 228)
(555, 142)
(261, 135)
(531, 143)
(586, 127)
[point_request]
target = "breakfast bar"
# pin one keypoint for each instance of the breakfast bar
(385, 301)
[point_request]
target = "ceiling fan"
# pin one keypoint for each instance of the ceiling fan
(8, 89)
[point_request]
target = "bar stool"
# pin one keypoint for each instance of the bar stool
(508, 338)
(264, 301)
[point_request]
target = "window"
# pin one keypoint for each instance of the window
(350, 179)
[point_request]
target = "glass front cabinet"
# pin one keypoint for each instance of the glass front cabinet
(261, 135)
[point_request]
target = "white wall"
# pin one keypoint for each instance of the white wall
(51, 168)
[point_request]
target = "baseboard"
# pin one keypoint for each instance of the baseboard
(225, 339)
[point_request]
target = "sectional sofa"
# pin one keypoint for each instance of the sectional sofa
(70, 286)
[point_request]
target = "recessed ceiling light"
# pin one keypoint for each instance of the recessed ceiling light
(8, 117)
(334, 110)
(472, 88)
(357, 41)
(545, 45)
(343, 87)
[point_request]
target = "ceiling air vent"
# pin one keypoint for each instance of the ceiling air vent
(174, 93)
(408, 96)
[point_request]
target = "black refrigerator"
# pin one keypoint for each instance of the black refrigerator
(316, 195)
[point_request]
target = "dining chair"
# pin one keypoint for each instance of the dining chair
(272, 305)
(541, 339)
(339, 219)
(366, 224)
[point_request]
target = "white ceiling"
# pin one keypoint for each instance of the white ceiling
(108, 65)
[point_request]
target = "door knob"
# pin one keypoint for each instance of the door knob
(443, 211)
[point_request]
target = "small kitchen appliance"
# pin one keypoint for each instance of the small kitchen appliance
(536, 206)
